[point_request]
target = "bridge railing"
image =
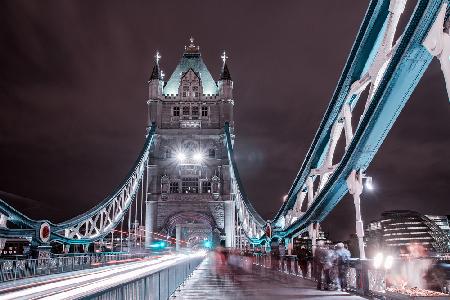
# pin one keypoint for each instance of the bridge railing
(160, 284)
(362, 277)
(26, 268)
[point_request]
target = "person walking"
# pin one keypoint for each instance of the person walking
(303, 259)
(328, 267)
(342, 257)
(322, 264)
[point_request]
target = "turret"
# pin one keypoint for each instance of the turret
(155, 90)
(226, 92)
(155, 83)
(225, 81)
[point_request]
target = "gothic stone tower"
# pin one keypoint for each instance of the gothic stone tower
(188, 173)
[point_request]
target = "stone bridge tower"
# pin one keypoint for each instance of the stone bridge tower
(188, 173)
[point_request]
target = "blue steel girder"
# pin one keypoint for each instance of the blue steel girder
(57, 230)
(362, 53)
(405, 69)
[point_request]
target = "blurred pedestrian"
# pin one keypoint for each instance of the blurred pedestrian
(304, 257)
(342, 260)
(323, 262)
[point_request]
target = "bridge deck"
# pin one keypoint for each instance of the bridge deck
(241, 280)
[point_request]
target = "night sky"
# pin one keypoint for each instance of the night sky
(73, 87)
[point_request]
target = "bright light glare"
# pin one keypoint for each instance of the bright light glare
(181, 157)
(285, 198)
(378, 260)
(388, 262)
(369, 184)
(198, 157)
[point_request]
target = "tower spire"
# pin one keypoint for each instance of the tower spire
(225, 74)
(157, 73)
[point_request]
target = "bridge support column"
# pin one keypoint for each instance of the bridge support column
(313, 233)
(178, 236)
(229, 224)
(150, 221)
(355, 188)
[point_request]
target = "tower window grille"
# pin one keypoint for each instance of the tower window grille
(204, 111)
(206, 187)
(189, 185)
(176, 111)
(174, 188)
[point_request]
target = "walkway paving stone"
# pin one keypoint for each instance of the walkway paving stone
(241, 280)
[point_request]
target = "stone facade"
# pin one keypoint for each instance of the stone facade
(188, 170)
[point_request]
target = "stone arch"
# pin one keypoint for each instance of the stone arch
(188, 218)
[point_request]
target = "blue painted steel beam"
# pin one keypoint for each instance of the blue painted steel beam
(407, 66)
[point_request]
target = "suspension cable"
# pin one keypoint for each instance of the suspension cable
(121, 235)
(142, 206)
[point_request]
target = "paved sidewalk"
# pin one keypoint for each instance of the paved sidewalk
(212, 280)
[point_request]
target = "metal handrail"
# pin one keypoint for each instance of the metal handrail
(25, 268)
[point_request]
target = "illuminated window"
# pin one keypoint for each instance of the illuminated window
(189, 185)
(185, 110)
(204, 111)
(174, 188)
(176, 111)
(206, 187)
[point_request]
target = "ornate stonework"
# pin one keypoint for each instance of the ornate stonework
(189, 170)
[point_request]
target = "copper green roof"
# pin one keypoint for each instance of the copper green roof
(191, 60)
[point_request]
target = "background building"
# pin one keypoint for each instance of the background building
(398, 229)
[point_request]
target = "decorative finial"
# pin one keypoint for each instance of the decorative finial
(191, 48)
(224, 56)
(157, 57)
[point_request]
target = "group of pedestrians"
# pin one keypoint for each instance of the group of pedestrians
(331, 266)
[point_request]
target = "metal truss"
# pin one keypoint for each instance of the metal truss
(91, 225)
(391, 69)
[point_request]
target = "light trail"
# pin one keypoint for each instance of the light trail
(70, 286)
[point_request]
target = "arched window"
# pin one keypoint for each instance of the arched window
(206, 187)
(212, 153)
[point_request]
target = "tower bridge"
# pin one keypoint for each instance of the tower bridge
(185, 184)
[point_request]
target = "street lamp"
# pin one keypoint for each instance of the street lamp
(198, 157)
(369, 184)
(180, 157)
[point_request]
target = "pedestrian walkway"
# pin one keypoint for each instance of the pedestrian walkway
(240, 279)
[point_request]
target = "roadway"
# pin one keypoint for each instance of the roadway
(78, 284)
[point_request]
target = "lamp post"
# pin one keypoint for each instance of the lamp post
(355, 188)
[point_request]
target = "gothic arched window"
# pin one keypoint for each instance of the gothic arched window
(212, 153)
(168, 153)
